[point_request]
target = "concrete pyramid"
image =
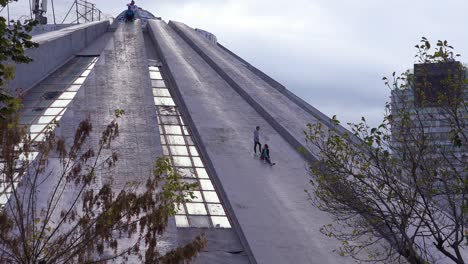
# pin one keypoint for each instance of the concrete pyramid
(187, 97)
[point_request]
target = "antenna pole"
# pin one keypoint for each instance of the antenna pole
(53, 11)
(37, 13)
(30, 8)
(86, 10)
(8, 12)
(77, 13)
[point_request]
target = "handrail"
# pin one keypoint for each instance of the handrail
(89, 8)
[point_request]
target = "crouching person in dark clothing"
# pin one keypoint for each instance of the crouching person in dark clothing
(266, 155)
(129, 14)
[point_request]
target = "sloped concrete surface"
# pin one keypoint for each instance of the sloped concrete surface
(327, 121)
(97, 46)
(275, 219)
(284, 114)
(224, 245)
(55, 49)
(120, 80)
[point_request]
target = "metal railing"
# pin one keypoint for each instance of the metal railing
(85, 12)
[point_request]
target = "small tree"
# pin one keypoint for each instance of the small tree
(402, 182)
(13, 42)
(60, 214)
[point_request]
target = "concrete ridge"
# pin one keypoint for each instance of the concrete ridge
(202, 149)
(55, 49)
(52, 35)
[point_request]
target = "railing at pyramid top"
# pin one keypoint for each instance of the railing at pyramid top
(85, 11)
(53, 12)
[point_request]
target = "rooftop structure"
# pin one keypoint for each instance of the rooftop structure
(432, 100)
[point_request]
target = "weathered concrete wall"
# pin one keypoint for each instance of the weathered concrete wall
(55, 48)
(275, 221)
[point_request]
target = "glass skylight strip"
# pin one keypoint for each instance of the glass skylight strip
(50, 114)
(206, 209)
(57, 108)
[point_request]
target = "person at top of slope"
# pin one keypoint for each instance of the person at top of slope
(130, 13)
(132, 6)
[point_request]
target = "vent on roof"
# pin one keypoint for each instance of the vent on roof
(39, 109)
(210, 36)
(51, 95)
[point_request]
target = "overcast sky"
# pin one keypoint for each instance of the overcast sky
(332, 53)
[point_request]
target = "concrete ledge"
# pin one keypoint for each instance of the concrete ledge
(41, 29)
(55, 49)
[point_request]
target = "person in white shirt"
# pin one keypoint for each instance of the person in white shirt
(257, 141)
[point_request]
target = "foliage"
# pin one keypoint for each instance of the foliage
(13, 42)
(64, 211)
(402, 182)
